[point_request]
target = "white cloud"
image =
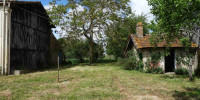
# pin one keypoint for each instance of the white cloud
(141, 6)
(48, 7)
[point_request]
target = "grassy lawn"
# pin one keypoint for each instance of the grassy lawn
(99, 81)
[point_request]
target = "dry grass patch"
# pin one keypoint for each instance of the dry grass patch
(99, 81)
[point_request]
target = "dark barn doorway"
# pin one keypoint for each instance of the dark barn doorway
(170, 61)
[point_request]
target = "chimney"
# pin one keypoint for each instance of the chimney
(139, 30)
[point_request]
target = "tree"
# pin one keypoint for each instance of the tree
(78, 48)
(87, 18)
(74, 48)
(118, 32)
(178, 17)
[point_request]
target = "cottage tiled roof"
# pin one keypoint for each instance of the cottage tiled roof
(145, 42)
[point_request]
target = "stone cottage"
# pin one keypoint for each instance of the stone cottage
(140, 44)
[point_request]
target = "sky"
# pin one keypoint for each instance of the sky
(139, 6)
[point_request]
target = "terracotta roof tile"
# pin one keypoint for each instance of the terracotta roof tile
(145, 42)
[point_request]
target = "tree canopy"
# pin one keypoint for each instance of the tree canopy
(178, 19)
(78, 48)
(87, 18)
(118, 32)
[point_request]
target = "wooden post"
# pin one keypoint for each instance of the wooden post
(58, 69)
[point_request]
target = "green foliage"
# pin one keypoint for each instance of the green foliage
(131, 63)
(155, 57)
(153, 26)
(185, 41)
(118, 32)
(140, 66)
(153, 65)
(71, 48)
(181, 71)
(176, 16)
(178, 19)
(153, 68)
(87, 18)
(75, 61)
(78, 49)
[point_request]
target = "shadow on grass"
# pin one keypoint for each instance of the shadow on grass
(188, 93)
(173, 76)
(64, 66)
(179, 77)
(52, 68)
(106, 61)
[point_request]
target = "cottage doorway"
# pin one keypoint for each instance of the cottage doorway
(170, 61)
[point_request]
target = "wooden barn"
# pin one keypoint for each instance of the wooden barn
(26, 38)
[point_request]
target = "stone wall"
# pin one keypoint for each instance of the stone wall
(180, 53)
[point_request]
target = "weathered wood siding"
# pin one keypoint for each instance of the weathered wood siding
(30, 36)
(55, 51)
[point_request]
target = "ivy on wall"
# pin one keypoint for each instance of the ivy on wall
(153, 65)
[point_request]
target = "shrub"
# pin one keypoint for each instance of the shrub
(129, 64)
(121, 61)
(139, 66)
(153, 68)
(181, 71)
(74, 61)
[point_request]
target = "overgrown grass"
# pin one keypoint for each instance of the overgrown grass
(97, 81)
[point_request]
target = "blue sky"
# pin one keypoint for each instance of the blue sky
(138, 6)
(44, 2)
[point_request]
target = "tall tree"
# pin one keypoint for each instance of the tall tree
(118, 32)
(71, 48)
(74, 48)
(176, 17)
(87, 18)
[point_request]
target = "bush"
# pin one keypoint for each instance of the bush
(139, 66)
(129, 64)
(121, 61)
(181, 71)
(153, 68)
(74, 61)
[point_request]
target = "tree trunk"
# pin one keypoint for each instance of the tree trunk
(91, 51)
(81, 59)
(190, 69)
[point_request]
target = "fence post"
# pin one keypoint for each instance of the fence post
(58, 69)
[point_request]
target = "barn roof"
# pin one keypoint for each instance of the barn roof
(146, 43)
(24, 2)
(41, 7)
